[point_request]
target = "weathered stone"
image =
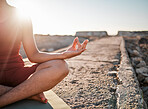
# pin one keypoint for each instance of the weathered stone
(146, 59)
(145, 104)
(130, 51)
(112, 73)
(139, 61)
(146, 93)
(129, 95)
(143, 41)
(136, 53)
(133, 53)
(146, 80)
(144, 89)
(141, 64)
(140, 77)
(142, 70)
(138, 49)
(136, 60)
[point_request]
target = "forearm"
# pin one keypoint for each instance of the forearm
(4, 89)
(41, 57)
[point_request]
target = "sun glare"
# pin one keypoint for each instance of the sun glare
(23, 9)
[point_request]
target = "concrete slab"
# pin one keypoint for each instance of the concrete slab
(55, 101)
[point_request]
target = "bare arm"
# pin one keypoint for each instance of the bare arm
(36, 56)
(30, 47)
(4, 89)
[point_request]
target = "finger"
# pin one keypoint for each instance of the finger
(75, 42)
(84, 44)
(79, 45)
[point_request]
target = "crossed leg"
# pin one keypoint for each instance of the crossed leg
(46, 76)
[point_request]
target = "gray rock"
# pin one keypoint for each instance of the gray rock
(138, 48)
(146, 80)
(140, 77)
(133, 53)
(136, 53)
(146, 93)
(142, 70)
(130, 51)
(136, 58)
(144, 89)
(141, 64)
(145, 104)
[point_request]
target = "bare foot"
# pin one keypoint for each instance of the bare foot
(39, 97)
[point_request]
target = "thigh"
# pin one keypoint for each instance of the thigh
(20, 75)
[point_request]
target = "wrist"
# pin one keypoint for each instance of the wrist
(63, 56)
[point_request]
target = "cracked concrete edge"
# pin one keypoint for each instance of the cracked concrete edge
(55, 101)
(129, 94)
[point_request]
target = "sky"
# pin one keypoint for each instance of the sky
(66, 17)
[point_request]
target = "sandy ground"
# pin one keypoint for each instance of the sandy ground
(88, 84)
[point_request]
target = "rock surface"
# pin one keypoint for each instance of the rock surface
(129, 95)
(139, 61)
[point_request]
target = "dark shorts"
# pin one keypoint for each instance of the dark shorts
(14, 77)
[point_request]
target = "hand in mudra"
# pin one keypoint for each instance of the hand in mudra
(76, 48)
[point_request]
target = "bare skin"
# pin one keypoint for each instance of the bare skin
(49, 73)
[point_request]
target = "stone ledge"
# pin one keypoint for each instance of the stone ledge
(55, 101)
(129, 95)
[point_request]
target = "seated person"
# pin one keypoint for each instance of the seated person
(18, 82)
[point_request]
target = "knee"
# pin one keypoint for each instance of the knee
(61, 66)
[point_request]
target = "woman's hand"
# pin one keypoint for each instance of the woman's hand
(75, 49)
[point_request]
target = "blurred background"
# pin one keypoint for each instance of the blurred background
(65, 17)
